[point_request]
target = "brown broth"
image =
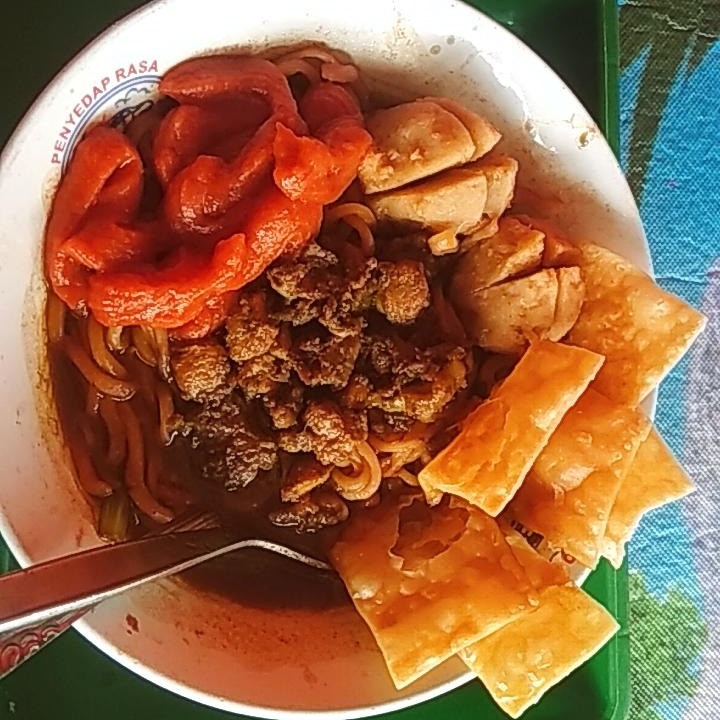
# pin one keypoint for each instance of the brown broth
(250, 577)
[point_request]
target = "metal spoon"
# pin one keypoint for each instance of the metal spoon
(38, 603)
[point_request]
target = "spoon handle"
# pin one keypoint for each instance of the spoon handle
(39, 603)
(19, 645)
(80, 580)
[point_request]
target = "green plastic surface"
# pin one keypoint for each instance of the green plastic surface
(70, 679)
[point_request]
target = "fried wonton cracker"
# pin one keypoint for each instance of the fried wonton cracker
(642, 330)
(541, 572)
(429, 581)
(568, 494)
(654, 478)
(500, 440)
(520, 662)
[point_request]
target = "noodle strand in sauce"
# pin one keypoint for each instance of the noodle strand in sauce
(135, 468)
(103, 382)
(100, 352)
(366, 483)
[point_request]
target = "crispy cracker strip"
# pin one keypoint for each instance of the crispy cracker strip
(568, 495)
(655, 478)
(642, 330)
(520, 662)
(486, 463)
(429, 581)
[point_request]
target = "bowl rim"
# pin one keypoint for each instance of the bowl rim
(83, 626)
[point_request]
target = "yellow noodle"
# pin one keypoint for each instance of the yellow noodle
(314, 52)
(147, 382)
(56, 311)
(443, 243)
(99, 349)
(394, 446)
(106, 384)
(92, 400)
(135, 468)
(87, 475)
(143, 345)
(115, 430)
(341, 211)
(403, 459)
(152, 479)
(393, 443)
(408, 478)
(367, 240)
(299, 66)
(115, 338)
(166, 408)
(386, 464)
(162, 351)
(364, 485)
(326, 56)
(398, 459)
(400, 451)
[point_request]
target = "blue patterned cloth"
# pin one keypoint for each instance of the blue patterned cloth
(670, 100)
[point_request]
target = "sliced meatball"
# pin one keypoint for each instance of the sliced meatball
(515, 249)
(403, 291)
(570, 297)
(559, 251)
(484, 134)
(412, 141)
(500, 173)
(503, 317)
(201, 370)
(452, 201)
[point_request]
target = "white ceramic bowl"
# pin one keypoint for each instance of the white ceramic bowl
(269, 664)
